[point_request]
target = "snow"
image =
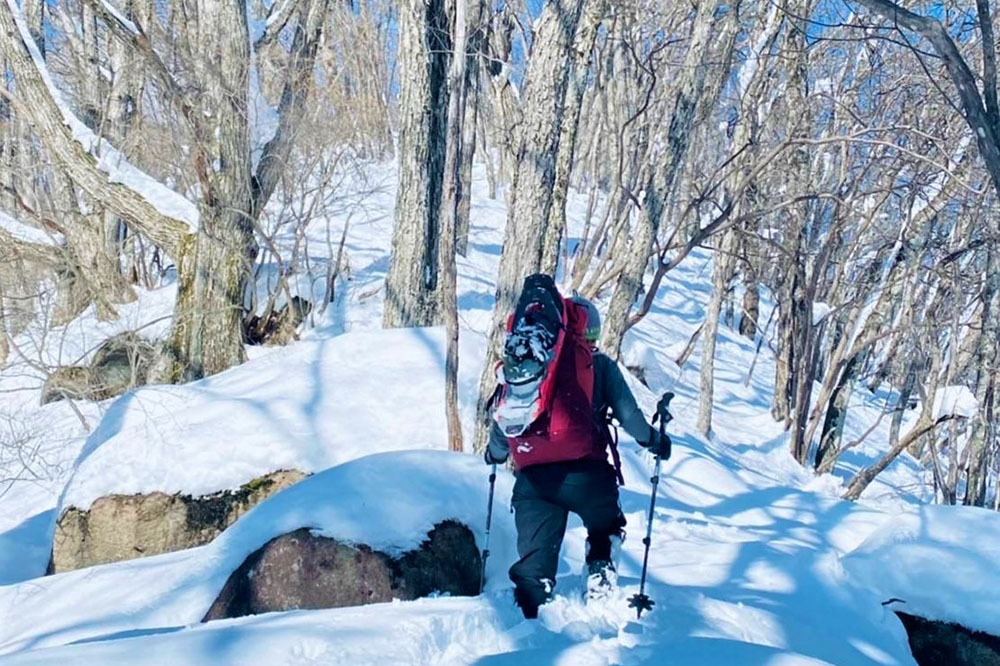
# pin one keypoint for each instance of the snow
(731, 578)
(955, 401)
(820, 311)
(387, 501)
(110, 160)
(22, 232)
(754, 560)
(906, 557)
(296, 409)
(127, 24)
(52, 436)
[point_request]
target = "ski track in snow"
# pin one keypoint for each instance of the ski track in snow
(754, 560)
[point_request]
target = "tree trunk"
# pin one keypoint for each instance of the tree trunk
(452, 196)
(751, 310)
(590, 21)
(472, 83)
(214, 266)
(977, 474)
(721, 274)
(836, 414)
(543, 94)
(411, 286)
(690, 87)
(803, 369)
(4, 342)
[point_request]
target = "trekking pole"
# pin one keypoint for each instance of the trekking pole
(489, 520)
(641, 601)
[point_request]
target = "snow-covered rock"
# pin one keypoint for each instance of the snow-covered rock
(124, 527)
(302, 409)
(943, 562)
(390, 502)
(304, 570)
(308, 407)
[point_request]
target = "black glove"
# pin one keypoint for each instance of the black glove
(490, 460)
(658, 444)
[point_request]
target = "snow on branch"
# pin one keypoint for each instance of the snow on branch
(955, 402)
(45, 101)
(120, 18)
(24, 233)
(277, 19)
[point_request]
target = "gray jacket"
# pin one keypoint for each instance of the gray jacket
(610, 393)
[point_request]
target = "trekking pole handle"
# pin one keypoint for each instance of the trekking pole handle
(664, 417)
(663, 411)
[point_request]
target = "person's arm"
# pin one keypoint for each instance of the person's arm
(497, 449)
(621, 401)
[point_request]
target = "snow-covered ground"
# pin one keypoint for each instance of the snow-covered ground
(754, 560)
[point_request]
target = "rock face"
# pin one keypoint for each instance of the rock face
(302, 571)
(124, 527)
(120, 363)
(941, 643)
(278, 326)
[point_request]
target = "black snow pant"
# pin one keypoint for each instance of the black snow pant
(542, 499)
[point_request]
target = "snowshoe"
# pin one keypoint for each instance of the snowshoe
(535, 333)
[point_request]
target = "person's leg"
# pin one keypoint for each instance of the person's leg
(592, 493)
(540, 528)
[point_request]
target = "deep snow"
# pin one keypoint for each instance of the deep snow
(755, 561)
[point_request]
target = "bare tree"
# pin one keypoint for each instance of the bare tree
(412, 284)
(543, 97)
(212, 243)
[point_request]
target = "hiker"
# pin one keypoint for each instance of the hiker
(565, 469)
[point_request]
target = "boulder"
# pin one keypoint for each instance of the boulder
(124, 527)
(120, 363)
(934, 643)
(301, 570)
(66, 383)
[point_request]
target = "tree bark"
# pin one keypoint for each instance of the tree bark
(213, 273)
(836, 414)
(721, 274)
(543, 94)
(452, 196)
(472, 83)
(412, 296)
(751, 310)
(690, 87)
(590, 20)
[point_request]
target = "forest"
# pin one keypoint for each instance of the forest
(841, 160)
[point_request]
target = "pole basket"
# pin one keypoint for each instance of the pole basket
(640, 602)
